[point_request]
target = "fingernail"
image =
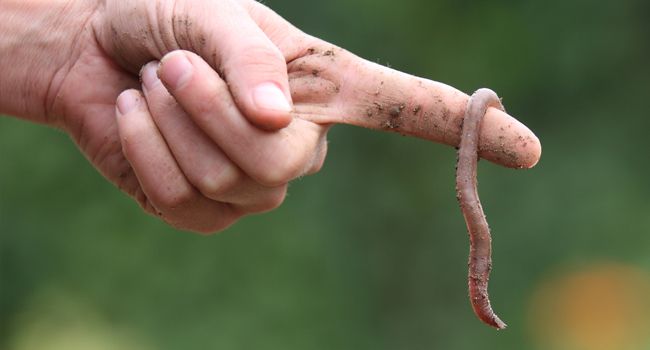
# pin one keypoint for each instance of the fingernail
(175, 70)
(149, 75)
(269, 96)
(127, 102)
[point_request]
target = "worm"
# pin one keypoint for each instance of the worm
(480, 260)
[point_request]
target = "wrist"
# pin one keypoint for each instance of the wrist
(39, 41)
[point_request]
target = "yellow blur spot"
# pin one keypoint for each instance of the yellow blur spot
(54, 320)
(600, 307)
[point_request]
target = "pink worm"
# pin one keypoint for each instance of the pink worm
(480, 260)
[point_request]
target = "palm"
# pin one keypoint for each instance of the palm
(87, 99)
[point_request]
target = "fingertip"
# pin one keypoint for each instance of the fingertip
(534, 153)
(272, 107)
(507, 141)
(256, 72)
(131, 112)
(128, 101)
(268, 97)
(175, 70)
(149, 76)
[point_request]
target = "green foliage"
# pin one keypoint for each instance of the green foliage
(371, 252)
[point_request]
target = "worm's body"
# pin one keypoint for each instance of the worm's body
(480, 261)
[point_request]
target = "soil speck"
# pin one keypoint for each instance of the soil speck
(396, 110)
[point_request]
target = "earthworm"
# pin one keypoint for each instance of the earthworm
(480, 260)
(389, 100)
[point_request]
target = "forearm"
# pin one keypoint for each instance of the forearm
(37, 43)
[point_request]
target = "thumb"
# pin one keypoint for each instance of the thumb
(222, 32)
(256, 72)
(235, 45)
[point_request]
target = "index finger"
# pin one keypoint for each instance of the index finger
(331, 85)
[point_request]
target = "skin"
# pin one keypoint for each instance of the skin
(191, 142)
(480, 259)
(389, 100)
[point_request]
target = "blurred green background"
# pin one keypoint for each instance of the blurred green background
(371, 252)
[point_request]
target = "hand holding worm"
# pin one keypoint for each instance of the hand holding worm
(216, 133)
(329, 85)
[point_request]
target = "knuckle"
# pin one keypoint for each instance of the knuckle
(212, 228)
(258, 56)
(319, 159)
(289, 156)
(316, 166)
(285, 162)
(216, 182)
(167, 198)
(186, 225)
(205, 224)
(277, 171)
(218, 223)
(271, 200)
(275, 199)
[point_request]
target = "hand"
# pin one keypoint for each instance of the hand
(92, 54)
(200, 164)
(221, 167)
(199, 187)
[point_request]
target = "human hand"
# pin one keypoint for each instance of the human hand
(113, 40)
(199, 162)
(327, 85)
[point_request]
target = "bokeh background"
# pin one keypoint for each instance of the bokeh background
(371, 252)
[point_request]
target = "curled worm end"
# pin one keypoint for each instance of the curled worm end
(497, 323)
(492, 319)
